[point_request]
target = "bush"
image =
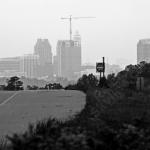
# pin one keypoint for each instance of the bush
(14, 83)
(34, 87)
(84, 83)
(71, 87)
(53, 86)
(111, 119)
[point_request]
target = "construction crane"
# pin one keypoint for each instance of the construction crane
(70, 21)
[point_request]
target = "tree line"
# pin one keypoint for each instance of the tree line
(124, 80)
(15, 84)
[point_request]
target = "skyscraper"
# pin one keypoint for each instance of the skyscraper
(68, 57)
(43, 49)
(143, 50)
(77, 38)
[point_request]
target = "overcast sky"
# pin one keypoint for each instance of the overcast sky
(114, 33)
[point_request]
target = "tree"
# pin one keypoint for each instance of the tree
(53, 86)
(85, 82)
(14, 83)
(34, 87)
(126, 79)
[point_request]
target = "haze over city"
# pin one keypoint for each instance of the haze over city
(74, 73)
(114, 33)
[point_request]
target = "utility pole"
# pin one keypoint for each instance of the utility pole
(103, 66)
(70, 22)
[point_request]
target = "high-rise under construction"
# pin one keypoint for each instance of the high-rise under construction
(68, 58)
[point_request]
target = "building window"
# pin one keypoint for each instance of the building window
(76, 44)
(67, 44)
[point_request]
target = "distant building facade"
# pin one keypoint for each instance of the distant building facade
(143, 50)
(55, 65)
(68, 58)
(29, 64)
(43, 49)
(66, 63)
(36, 65)
(10, 67)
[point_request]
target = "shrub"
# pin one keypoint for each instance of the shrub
(84, 83)
(110, 120)
(14, 83)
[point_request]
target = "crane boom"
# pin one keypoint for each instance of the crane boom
(70, 22)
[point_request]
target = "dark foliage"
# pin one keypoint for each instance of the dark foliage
(14, 83)
(84, 83)
(115, 118)
(109, 121)
(126, 79)
(71, 87)
(51, 86)
(34, 87)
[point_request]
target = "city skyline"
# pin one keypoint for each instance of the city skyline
(114, 33)
(39, 64)
(43, 64)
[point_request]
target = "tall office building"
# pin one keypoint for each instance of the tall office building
(43, 49)
(68, 58)
(143, 50)
(77, 38)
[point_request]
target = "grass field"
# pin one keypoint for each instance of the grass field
(5, 95)
(17, 110)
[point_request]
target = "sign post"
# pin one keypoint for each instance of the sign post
(100, 67)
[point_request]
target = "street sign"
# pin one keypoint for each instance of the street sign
(99, 67)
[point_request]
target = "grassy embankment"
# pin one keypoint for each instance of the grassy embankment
(110, 120)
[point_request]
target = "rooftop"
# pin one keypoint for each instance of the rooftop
(144, 41)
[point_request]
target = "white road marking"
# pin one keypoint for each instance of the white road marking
(8, 99)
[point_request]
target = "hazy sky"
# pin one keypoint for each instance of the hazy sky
(114, 33)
